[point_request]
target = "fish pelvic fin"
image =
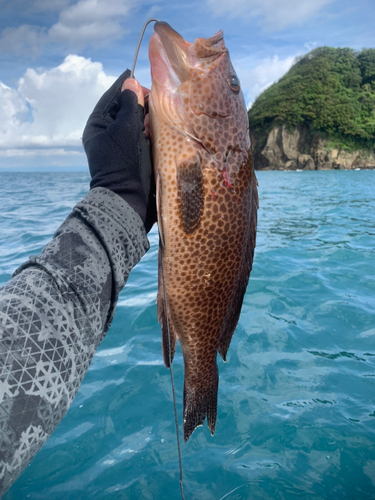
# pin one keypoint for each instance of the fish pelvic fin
(234, 310)
(200, 400)
(168, 342)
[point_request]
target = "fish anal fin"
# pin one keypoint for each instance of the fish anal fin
(168, 343)
(200, 400)
(232, 319)
(234, 309)
(190, 191)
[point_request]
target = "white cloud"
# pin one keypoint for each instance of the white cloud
(310, 45)
(13, 109)
(90, 22)
(26, 39)
(276, 14)
(49, 108)
(256, 79)
(85, 23)
(153, 12)
(43, 5)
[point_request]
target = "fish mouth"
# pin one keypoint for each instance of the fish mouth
(180, 55)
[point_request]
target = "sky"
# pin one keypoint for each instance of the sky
(57, 57)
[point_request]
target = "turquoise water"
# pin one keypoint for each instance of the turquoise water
(296, 415)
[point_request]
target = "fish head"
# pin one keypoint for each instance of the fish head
(196, 90)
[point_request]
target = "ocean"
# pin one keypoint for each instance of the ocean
(296, 404)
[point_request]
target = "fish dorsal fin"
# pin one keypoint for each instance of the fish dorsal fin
(190, 191)
(239, 290)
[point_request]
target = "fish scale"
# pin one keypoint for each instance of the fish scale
(207, 207)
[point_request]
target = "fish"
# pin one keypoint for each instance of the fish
(207, 201)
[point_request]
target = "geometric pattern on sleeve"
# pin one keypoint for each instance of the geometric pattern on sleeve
(54, 313)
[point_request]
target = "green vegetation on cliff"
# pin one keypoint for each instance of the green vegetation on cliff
(330, 90)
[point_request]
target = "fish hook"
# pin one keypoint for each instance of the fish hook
(139, 43)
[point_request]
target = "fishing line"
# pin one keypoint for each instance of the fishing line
(172, 379)
(165, 294)
(139, 44)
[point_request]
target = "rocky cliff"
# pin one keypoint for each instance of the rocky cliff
(298, 148)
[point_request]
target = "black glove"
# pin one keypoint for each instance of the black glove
(118, 151)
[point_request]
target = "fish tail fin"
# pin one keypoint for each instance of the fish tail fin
(200, 400)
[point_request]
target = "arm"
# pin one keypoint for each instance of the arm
(58, 306)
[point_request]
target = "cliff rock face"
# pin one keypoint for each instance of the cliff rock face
(300, 149)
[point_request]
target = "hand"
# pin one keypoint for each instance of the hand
(118, 149)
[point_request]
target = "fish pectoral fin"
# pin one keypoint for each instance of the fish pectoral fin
(190, 191)
(168, 342)
(200, 400)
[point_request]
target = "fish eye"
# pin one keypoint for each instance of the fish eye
(234, 83)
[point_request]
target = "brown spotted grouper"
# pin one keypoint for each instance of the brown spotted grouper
(207, 206)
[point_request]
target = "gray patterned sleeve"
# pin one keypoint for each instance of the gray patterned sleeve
(54, 313)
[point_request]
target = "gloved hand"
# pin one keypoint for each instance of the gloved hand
(118, 151)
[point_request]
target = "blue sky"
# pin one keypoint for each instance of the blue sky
(57, 57)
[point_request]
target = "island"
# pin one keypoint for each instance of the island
(320, 115)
